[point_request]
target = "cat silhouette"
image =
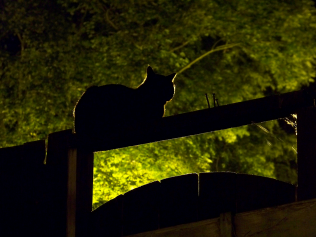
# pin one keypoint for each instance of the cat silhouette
(110, 108)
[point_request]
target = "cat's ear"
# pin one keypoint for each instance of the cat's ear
(150, 71)
(172, 76)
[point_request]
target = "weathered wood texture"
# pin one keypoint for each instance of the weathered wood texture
(175, 201)
(72, 182)
(306, 147)
(23, 185)
(202, 121)
(207, 228)
(297, 219)
(292, 220)
(226, 225)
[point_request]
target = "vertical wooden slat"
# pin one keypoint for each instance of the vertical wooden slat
(306, 147)
(107, 219)
(217, 194)
(226, 224)
(255, 192)
(141, 209)
(71, 193)
(10, 191)
(72, 181)
(34, 189)
(179, 197)
(33, 153)
(22, 185)
(84, 191)
(57, 162)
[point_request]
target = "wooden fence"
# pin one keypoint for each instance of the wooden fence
(24, 185)
(55, 199)
(186, 199)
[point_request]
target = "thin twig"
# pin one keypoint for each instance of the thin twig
(180, 46)
(21, 41)
(207, 101)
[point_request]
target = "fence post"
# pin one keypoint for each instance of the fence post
(71, 192)
(306, 158)
(84, 189)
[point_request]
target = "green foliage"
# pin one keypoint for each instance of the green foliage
(51, 51)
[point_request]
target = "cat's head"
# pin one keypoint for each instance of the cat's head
(159, 86)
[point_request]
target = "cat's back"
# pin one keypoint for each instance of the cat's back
(102, 105)
(96, 95)
(114, 90)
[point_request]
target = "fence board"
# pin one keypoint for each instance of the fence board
(106, 221)
(291, 220)
(33, 153)
(206, 228)
(84, 191)
(179, 196)
(296, 219)
(254, 192)
(141, 209)
(34, 187)
(10, 191)
(71, 192)
(23, 185)
(226, 224)
(57, 162)
(217, 194)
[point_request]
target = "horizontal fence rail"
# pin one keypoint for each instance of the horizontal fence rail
(202, 121)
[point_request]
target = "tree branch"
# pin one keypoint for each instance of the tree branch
(219, 48)
(107, 18)
(109, 21)
(21, 41)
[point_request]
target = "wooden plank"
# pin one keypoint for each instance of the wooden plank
(10, 194)
(141, 209)
(34, 189)
(72, 179)
(255, 192)
(226, 225)
(10, 156)
(23, 189)
(57, 163)
(34, 153)
(296, 219)
(71, 193)
(179, 197)
(84, 191)
(106, 221)
(206, 228)
(306, 147)
(207, 120)
(217, 194)
(291, 220)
